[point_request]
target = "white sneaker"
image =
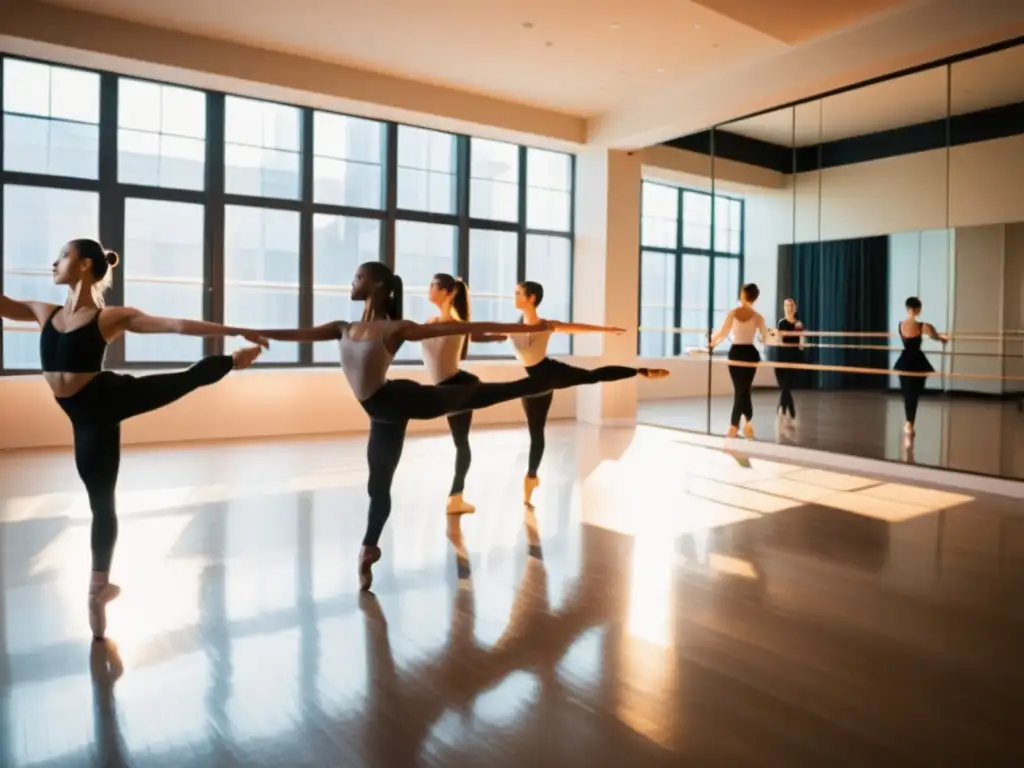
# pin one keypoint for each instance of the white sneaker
(98, 609)
(456, 506)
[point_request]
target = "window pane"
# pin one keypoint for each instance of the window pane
(659, 215)
(37, 223)
(494, 180)
(340, 245)
(426, 170)
(657, 302)
(261, 274)
(261, 148)
(161, 135)
(549, 190)
(549, 262)
(421, 251)
(492, 277)
(727, 284)
(51, 117)
(348, 161)
(163, 274)
(696, 220)
(696, 289)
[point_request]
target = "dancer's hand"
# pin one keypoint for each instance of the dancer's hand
(254, 338)
(943, 338)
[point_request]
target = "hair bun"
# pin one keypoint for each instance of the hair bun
(113, 259)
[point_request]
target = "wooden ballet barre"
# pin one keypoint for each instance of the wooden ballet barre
(857, 334)
(947, 352)
(699, 351)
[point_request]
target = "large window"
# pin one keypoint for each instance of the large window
(249, 212)
(684, 281)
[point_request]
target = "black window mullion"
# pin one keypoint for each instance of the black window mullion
(306, 254)
(111, 223)
(387, 232)
(463, 161)
(213, 220)
(521, 239)
(677, 298)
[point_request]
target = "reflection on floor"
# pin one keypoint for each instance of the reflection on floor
(664, 604)
(983, 436)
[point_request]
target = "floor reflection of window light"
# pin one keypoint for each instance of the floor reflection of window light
(51, 720)
(650, 614)
(265, 686)
(503, 705)
(343, 678)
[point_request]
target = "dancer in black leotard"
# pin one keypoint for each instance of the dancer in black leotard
(72, 347)
(913, 360)
(531, 349)
(442, 356)
(367, 350)
(789, 351)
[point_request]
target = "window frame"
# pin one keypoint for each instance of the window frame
(682, 250)
(214, 198)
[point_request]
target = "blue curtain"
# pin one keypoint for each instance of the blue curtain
(840, 285)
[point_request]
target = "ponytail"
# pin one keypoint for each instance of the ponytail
(457, 287)
(394, 304)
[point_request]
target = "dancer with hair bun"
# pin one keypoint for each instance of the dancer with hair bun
(72, 349)
(912, 360)
(741, 324)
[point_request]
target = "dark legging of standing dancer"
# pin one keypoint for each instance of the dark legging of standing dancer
(442, 356)
(912, 360)
(789, 351)
(72, 348)
(367, 350)
(742, 323)
(531, 349)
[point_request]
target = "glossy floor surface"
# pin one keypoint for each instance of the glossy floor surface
(664, 604)
(980, 435)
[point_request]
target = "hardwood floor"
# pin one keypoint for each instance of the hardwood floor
(972, 435)
(664, 604)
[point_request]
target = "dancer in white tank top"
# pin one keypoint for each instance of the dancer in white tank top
(531, 349)
(741, 325)
(442, 357)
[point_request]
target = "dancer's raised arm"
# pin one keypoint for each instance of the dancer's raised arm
(409, 331)
(131, 320)
(24, 311)
(331, 331)
(560, 327)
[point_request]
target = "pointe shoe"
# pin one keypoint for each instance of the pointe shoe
(245, 357)
(529, 485)
(367, 557)
(98, 609)
(732, 431)
(456, 506)
(653, 373)
(748, 431)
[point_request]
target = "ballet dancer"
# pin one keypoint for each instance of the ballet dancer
(790, 349)
(72, 348)
(368, 348)
(913, 360)
(441, 358)
(741, 323)
(531, 350)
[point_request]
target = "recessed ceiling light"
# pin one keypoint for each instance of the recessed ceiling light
(527, 25)
(660, 70)
(696, 26)
(616, 25)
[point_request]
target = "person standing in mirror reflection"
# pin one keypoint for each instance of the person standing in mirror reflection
(790, 351)
(740, 325)
(913, 363)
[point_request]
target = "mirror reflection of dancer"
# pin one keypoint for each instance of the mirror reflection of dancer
(441, 357)
(532, 349)
(913, 360)
(72, 348)
(741, 324)
(790, 348)
(368, 348)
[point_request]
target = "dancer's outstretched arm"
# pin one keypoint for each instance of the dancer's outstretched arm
(331, 331)
(410, 331)
(932, 333)
(131, 320)
(561, 327)
(722, 332)
(24, 311)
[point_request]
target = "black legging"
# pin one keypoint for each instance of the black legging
(742, 381)
(96, 413)
(459, 425)
(912, 387)
(558, 375)
(784, 376)
(391, 408)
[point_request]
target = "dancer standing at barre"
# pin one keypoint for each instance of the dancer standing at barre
(441, 357)
(368, 348)
(532, 348)
(790, 348)
(741, 323)
(72, 348)
(913, 360)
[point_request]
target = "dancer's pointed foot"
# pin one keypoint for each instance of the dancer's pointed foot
(245, 357)
(653, 373)
(99, 596)
(457, 506)
(367, 557)
(529, 486)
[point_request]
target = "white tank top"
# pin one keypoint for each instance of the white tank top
(365, 362)
(441, 356)
(530, 348)
(743, 331)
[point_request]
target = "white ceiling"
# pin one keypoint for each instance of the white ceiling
(581, 57)
(987, 81)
